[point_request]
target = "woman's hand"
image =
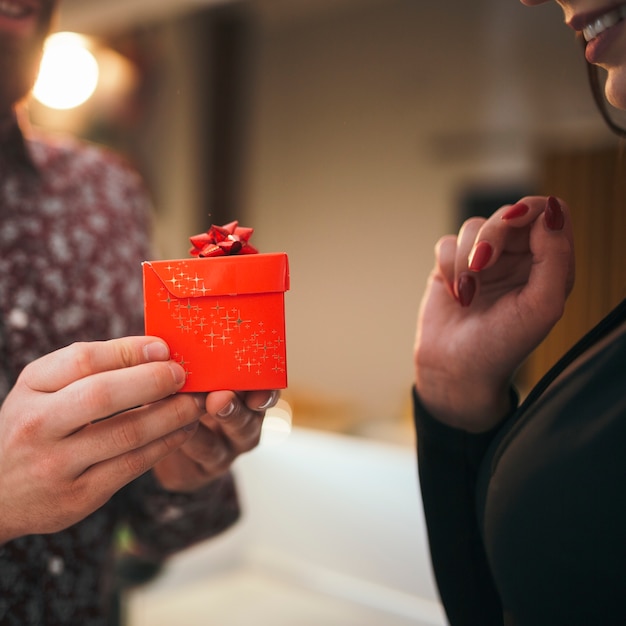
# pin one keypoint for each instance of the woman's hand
(230, 427)
(60, 459)
(495, 292)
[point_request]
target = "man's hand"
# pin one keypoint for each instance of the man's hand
(230, 427)
(81, 423)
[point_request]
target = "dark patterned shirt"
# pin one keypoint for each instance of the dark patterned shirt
(73, 233)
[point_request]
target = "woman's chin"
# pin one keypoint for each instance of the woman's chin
(615, 88)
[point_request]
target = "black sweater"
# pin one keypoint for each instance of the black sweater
(527, 523)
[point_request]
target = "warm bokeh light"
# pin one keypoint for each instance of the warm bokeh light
(277, 424)
(69, 72)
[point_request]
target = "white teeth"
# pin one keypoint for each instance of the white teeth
(12, 9)
(591, 31)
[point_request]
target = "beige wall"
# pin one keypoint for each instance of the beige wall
(368, 122)
(368, 119)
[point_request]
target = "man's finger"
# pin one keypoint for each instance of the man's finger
(104, 394)
(58, 369)
(131, 430)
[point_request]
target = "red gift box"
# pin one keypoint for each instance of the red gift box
(223, 318)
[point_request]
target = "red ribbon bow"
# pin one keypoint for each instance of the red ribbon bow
(222, 241)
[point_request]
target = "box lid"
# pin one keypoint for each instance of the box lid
(226, 275)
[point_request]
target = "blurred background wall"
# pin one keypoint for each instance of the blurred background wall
(351, 134)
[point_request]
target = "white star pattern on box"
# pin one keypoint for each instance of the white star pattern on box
(218, 325)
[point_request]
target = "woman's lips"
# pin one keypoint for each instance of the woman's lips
(594, 25)
(597, 49)
(599, 28)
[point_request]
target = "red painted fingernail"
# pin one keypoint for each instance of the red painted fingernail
(555, 219)
(467, 289)
(480, 256)
(517, 210)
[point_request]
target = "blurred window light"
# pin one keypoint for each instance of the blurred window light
(69, 72)
(277, 424)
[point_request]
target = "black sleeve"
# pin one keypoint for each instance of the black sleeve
(448, 461)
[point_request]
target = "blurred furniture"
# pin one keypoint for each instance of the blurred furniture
(332, 533)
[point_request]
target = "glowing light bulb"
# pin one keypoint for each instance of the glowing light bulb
(69, 73)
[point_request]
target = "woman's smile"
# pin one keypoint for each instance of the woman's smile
(603, 23)
(602, 33)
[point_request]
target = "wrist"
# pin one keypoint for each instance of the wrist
(464, 404)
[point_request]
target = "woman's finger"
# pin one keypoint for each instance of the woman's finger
(445, 255)
(553, 268)
(466, 241)
(506, 230)
(465, 284)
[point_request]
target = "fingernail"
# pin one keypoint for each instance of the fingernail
(517, 210)
(467, 289)
(178, 373)
(200, 400)
(271, 401)
(480, 256)
(156, 351)
(555, 220)
(227, 410)
(190, 427)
